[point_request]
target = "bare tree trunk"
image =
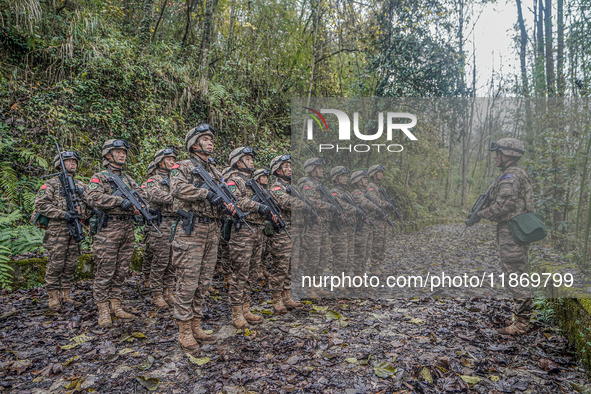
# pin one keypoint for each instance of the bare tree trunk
(190, 7)
(206, 41)
(583, 187)
(560, 47)
(146, 24)
(550, 77)
(231, 32)
(539, 63)
(159, 19)
(523, 48)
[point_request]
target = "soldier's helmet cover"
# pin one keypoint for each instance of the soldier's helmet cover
(65, 156)
(509, 147)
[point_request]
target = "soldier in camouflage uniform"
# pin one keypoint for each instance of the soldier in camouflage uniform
(160, 200)
(343, 241)
(280, 245)
(223, 256)
(63, 250)
(243, 244)
(315, 238)
(113, 246)
(510, 196)
(377, 251)
(359, 180)
(261, 176)
(148, 254)
(194, 254)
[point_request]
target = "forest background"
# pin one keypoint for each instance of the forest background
(79, 72)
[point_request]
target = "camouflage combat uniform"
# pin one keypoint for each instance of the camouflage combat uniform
(343, 241)
(245, 247)
(194, 255)
(363, 233)
(113, 246)
(63, 251)
(158, 196)
(315, 238)
(377, 249)
(512, 195)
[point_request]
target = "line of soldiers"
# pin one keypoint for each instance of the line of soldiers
(191, 223)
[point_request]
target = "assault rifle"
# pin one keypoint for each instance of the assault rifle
(329, 198)
(72, 199)
(265, 198)
(134, 197)
(480, 204)
(363, 215)
(294, 191)
(391, 202)
(382, 212)
(222, 190)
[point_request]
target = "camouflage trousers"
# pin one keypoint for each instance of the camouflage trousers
(224, 258)
(343, 249)
(161, 268)
(63, 256)
(377, 252)
(148, 253)
(315, 250)
(362, 247)
(194, 257)
(243, 246)
(514, 260)
(112, 250)
(280, 271)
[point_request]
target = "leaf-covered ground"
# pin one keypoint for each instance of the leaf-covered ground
(433, 345)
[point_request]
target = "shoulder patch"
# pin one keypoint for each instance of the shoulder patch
(507, 176)
(43, 187)
(150, 182)
(95, 180)
(356, 193)
(307, 187)
(277, 188)
(93, 186)
(371, 189)
(232, 183)
(232, 187)
(176, 166)
(334, 194)
(308, 192)
(175, 172)
(143, 186)
(41, 191)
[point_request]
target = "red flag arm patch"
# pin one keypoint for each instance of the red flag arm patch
(334, 194)
(95, 180)
(175, 166)
(371, 189)
(231, 183)
(307, 188)
(276, 188)
(44, 187)
(150, 180)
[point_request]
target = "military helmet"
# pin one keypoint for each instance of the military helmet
(375, 168)
(239, 153)
(259, 173)
(338, 170)
(358, 175)
(508, 146)
(278, 161)
(162, 153)
(151, 168)
(196, 132)
(114, 144)
(66, 155)
(312, 163)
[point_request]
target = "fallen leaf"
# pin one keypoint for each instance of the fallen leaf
(548, 365)
(149, 383)
(125, 351)
(320, 309)
(198, 360)
(351, 360)
(332, 315)
(471, 380)
(384, 369)
(146, 364)
(138, 334)
(427, 375)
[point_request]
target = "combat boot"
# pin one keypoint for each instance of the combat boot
(104, 319)
(54, 300)
(250, 317)
(278, 304)
(288, 302)
(159, 301)
(168, 297)
(520, 326)
(118, 310)
(186, 339)
(65, 293)
(238, 317)
(200, 335)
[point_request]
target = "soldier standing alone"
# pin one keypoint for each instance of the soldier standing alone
(511, 195)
